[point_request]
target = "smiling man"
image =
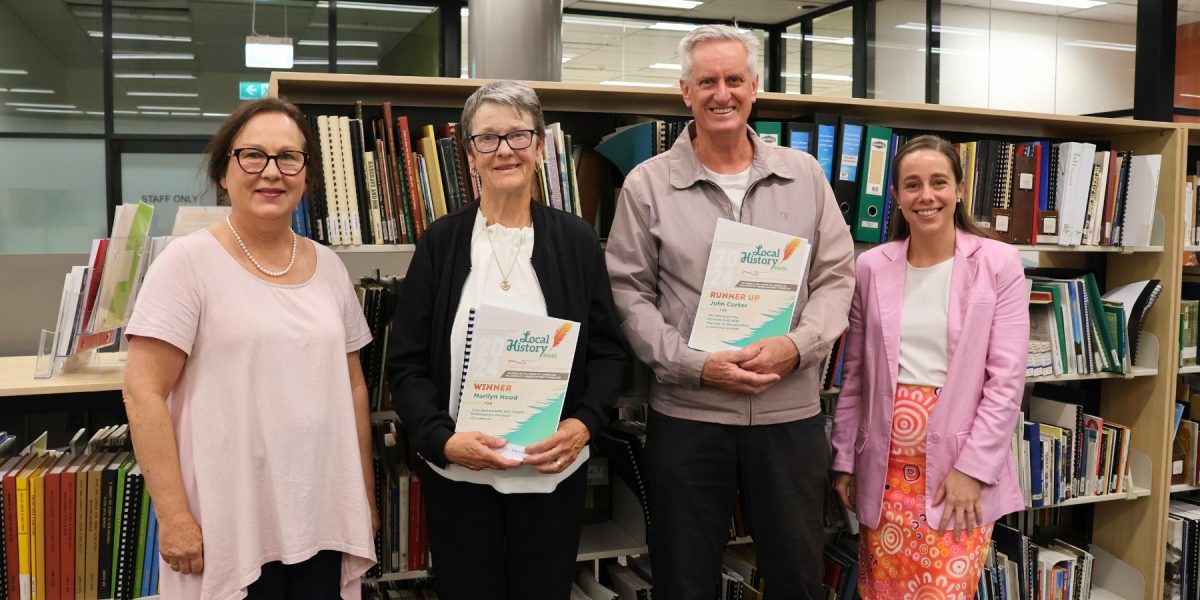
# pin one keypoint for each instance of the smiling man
(747, 418)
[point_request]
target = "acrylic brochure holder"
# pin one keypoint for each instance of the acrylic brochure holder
(93, 310)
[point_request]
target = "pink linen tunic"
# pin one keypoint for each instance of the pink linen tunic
(263, 414)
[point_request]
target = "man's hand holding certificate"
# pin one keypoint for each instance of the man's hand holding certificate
(517, 372)
(750, 287)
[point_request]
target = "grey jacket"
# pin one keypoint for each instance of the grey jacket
(657, 254)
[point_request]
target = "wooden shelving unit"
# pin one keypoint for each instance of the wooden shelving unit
(1132, 531)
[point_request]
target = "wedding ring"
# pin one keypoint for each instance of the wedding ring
(557, 463)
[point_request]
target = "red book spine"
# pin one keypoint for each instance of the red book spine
(410, 168)
(393, 183)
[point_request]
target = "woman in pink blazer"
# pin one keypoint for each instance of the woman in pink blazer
(933, 377)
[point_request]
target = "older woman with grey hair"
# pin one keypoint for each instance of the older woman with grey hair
(500, 528)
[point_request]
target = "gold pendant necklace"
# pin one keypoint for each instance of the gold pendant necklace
(504, 284)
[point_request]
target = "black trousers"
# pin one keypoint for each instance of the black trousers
(318, 578)
(491, 546)
(696, 469)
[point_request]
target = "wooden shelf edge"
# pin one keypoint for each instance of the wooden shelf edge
(1137, 492)
(1189, 369)
(1183, 487)
(401, 576)
(401, 248)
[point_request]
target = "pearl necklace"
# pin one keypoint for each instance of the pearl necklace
(254, 261)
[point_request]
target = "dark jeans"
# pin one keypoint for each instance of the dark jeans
(491, 546)
(696, 469)
(318, 578)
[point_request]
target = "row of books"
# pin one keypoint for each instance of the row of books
(1019, 569)
(381, 184)
(78, 524)
(1067, 193)
(1063, 452)
(376, 296)
(1075, 330)
(1182, 573)
(1185, 466)
(97, 298)
(841, 567)
(402, 543)
(1191, 219)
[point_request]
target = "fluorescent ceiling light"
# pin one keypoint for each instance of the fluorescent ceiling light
(568, 57)
(941, 29)
(635, 83)
(153, 76)
(1064, 3)
(143, 37)
(154, 113)
(404, 8)
(831, 77)
(165, 94)
(187, 108)
(29, 91)
(793, 36)
(221, 115)
(824, 39)
(50, 110)
(340, 62)
(1102, 45)
(602, 22)
(130, 16)
(790, 75)
(13, 72)
(340, 43)
(673, 26)
(680, 4)
(667, 66)
(39, 105)
(125, 112)
(95, 113)
(153, 56)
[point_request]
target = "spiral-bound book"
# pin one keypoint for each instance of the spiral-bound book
(515, 374)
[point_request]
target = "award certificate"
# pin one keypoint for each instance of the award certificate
(515, 380)
(750, 287)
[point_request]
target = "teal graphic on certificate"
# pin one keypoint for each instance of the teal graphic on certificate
(518, 367)
(750, 286)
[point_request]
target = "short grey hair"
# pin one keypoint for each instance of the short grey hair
(717, 33)
(505, 92)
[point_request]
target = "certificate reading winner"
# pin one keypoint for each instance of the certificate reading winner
(750, 286)
(518, 366)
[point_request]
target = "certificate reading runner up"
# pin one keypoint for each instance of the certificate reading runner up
(750, 286)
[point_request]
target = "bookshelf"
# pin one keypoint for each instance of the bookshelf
(1134, 530)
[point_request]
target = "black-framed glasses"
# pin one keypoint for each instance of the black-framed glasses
(254, 161)
(488, 143)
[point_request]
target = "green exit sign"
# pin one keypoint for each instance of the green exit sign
(252, 90)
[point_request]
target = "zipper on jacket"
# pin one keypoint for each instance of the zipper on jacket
(728, 203)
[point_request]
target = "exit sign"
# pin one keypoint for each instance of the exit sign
(252, 90)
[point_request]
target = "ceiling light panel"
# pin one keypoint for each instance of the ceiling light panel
(379, 7)
(677, 4)
(144, 37)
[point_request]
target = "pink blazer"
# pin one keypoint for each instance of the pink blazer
(971, 426)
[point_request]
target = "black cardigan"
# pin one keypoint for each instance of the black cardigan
(569, 264)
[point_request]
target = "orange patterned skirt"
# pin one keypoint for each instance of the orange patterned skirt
(905, 559)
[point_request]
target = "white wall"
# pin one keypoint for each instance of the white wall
(1022, 61)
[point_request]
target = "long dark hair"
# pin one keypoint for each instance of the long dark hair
(962, 220)
(222, 141)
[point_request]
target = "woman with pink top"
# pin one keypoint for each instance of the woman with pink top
(932, 384)
(244, 392)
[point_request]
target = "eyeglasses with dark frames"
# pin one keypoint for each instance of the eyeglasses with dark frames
(488, 143)
(254, 161)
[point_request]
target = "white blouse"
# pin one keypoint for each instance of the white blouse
(923, 353)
